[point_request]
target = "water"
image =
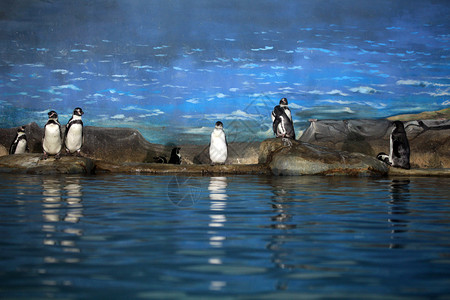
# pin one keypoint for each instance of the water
(245, 237)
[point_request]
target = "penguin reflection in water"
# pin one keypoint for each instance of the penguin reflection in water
(399, 148)
(282, 120)
(20, 144)
(218, 150)
(73, 138)
(52, 140)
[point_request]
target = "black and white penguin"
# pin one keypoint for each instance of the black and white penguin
(52, 139)
(73, 138)
(399, 150)
(160, 159)
(384, 158)
(20, 143)
(175, 157)
(218, 148)
(282, 120)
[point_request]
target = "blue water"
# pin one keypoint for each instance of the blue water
(245, 237)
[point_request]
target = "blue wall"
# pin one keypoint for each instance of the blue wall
(173, 68)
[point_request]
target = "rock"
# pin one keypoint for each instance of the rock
(429, 140)
(238, 153)
(418, 172)
(3, 150)
(307, 159)
(443, 114)
(30, 163)
(192, 169)
(34, 137)
(122, 145)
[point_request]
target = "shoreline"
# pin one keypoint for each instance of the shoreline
(31, 164)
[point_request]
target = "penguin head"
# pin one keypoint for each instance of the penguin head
(283, 101)
(219, 125)
(21, 129)
(53, 115)
(399, 126)
(176, 150)
(78, 111)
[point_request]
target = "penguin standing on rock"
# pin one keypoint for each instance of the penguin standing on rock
(282, 120)
(73, 138)
(52, 140)
(218, 150)
(20, 144)
(175, 156)
(399, 148)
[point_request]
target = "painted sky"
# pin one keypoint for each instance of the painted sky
(171, 69)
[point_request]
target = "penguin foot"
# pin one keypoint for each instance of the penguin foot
(58, 156)
(79, 154)
(45, 156)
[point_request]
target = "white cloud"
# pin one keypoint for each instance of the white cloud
(193, 100)
(61, 71)
(420, 83)
(337, 92)
(118, 117)
(364, 90)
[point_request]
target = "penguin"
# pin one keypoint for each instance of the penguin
(384, 158)
(74, 138)
(218, 151)
(160, 160)
(282, 120)
(20, 143)
(175, 157)
(52, 139)
(399, 147)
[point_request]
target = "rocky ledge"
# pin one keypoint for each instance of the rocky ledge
(327, 147)
(277, 157)
(31, 163)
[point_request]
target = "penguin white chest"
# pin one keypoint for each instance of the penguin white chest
(74, 137)
(52, 139)
(218, 151)
(21, 146)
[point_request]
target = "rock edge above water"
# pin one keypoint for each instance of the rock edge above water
(32, 164)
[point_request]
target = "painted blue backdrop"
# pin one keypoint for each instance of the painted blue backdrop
(171, 69)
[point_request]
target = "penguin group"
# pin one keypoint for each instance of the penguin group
(175, 157)
(53, 141)
(282, 125)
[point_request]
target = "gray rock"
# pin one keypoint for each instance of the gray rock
(31, 163)
(238, 153)
(3, 150)
(300, 158)
(429, 140)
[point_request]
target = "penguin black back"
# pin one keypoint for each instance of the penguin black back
(175, 157)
